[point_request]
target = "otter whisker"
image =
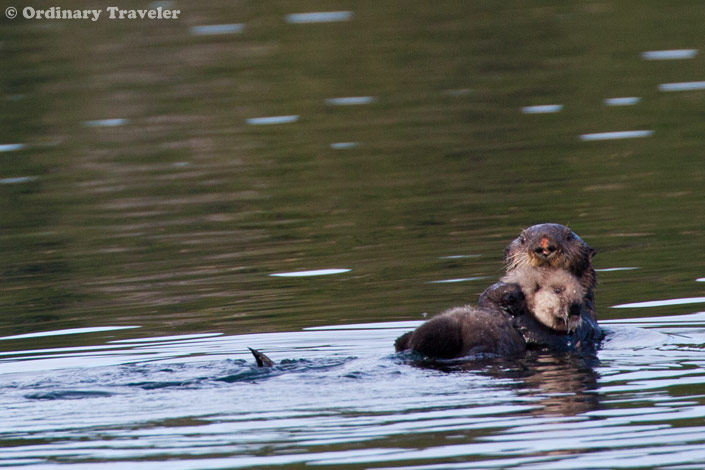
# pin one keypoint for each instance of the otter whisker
(517, 262)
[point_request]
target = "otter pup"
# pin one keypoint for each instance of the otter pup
(553, 296)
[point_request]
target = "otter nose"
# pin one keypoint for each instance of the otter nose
(545, 247)
(575, 309)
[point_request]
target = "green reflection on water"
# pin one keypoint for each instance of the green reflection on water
(174, 219)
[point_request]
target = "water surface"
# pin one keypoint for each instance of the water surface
(314, 179)
(338, 396)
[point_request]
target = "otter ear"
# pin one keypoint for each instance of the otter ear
(593, 252)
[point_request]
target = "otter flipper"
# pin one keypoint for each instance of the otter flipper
(261, 358)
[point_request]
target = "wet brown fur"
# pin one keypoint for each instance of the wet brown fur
(496, 326)
(463, 331)
(466, 330)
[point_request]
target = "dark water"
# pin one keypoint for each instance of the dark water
(157, 178)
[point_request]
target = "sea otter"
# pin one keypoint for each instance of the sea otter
(526, 305)
(553, 247)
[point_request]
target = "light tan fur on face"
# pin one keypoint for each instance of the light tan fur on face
(550, 294)
(518, 259)
(521, 259)
(552, 246)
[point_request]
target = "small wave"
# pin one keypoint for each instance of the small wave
(284, 366)
(68, 395)
(167, 384)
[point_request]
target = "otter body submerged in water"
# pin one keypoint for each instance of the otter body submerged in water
(528, 299)
(466, 330)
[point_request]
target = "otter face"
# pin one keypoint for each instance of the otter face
(552, 246)
(553, 297)
(558, 305)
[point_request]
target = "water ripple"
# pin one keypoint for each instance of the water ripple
(339, 393)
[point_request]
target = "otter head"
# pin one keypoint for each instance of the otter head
(552, 246)
(553, 297)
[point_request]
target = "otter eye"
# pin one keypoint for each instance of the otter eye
(570, 236)
(522, 239)
(558, 290)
